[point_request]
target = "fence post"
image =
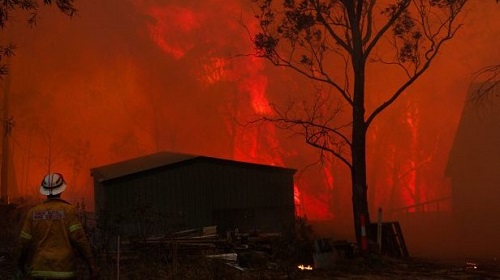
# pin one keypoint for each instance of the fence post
(379, 230)
(364, 241)
(118, 259)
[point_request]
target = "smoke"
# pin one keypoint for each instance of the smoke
(127, 78)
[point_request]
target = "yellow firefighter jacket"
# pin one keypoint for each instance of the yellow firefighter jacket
(52, 231)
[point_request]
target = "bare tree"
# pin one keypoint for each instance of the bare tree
(331, 42)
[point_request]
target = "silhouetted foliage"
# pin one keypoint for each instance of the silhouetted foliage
(8, 8)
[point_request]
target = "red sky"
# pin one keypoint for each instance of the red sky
(128, 78)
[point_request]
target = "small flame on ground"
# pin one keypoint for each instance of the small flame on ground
(304, 267)
(471, 265)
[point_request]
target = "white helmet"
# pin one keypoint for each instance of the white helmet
(52, 184)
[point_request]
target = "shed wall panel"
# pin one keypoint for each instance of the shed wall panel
(200, 194)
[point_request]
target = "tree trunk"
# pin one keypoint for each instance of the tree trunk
(358, 171)
(358, 176)
(4, 170)
(358, 149)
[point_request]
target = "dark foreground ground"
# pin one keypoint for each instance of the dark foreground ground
(166, 262)
(408, 269)
(368, 268)
(379, 269)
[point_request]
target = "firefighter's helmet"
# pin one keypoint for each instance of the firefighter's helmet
(52, 184)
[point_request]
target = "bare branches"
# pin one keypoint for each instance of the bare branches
(369, 22)
(297, 38)
(436, 24)
(317, 122)
(487, 80)
(321, 10)
(394, 12)
(330, 42)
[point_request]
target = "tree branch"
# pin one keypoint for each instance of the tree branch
(329, 28)
(402, 7)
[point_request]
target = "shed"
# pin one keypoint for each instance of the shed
(165, 192)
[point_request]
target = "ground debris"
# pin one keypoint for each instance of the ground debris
(417, 269)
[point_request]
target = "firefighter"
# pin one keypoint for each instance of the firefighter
(51, 236)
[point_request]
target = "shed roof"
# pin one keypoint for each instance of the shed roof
(140, 164)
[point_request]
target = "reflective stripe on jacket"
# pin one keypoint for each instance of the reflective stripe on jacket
(50, 230)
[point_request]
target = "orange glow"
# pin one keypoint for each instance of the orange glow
(214, 70)
(299, 212)
(168, 21)
(258, 99)
(410, 180)
(128, 79)
(316, 207)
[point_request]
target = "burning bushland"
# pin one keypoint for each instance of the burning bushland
(124, 79)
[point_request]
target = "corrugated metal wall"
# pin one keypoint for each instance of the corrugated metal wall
(199, 193)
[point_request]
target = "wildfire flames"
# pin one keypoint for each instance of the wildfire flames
(304, 267)
(128, 78)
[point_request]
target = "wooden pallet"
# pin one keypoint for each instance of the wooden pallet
(393, 242)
